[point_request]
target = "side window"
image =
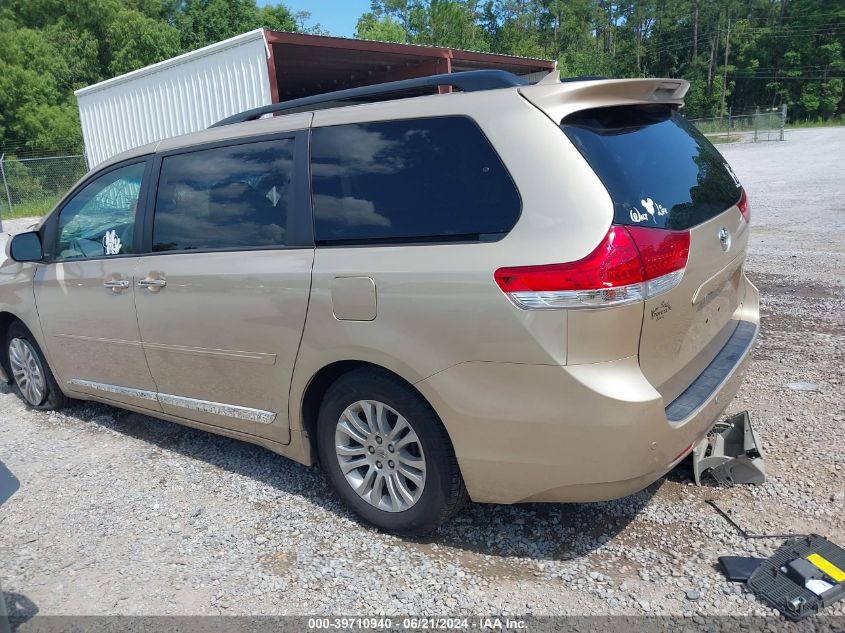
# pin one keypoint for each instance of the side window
(411, 179)
(236, 196)
(100, 219)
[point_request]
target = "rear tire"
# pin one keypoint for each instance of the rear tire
(386, 453)
(30, 372)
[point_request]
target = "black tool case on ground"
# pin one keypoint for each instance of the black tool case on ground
(781, 580)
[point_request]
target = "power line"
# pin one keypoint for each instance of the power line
(782, 78)
(798, 16)
(682, 45)
(829, 28)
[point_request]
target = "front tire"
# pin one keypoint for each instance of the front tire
(386, 453)
(33, 378)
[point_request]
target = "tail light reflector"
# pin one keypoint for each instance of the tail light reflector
(630, 264)
(744, 207)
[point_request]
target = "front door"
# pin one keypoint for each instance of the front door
(86, 293)
(222, 296)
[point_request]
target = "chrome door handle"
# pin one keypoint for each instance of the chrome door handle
(116, 284)
(152, 283)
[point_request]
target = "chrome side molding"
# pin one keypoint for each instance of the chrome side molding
(207, 406)
(116, 389)
(218, 408)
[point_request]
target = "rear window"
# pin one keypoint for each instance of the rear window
(411, 180)
(659, 170)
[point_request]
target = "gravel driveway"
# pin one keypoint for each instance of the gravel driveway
(124, 514)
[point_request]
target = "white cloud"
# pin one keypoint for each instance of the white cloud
(348, 211)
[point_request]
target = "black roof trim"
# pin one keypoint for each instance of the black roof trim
(469, 81)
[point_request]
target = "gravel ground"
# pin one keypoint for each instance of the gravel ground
(18, 225)
(123, 514)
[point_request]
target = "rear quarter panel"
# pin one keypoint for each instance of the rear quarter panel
(438, 304)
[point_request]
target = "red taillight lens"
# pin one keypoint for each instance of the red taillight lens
(662, 252)
(630, 264)
(744, 207)
(614, 262)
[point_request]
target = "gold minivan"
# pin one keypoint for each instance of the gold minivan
(508, 292)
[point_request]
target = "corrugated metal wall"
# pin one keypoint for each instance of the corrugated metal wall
(535, 77)
(184, 94)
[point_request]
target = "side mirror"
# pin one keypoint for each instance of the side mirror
(26, 247)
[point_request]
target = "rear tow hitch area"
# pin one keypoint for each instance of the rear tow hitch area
(730, 454)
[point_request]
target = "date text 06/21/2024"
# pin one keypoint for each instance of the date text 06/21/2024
(416, 623)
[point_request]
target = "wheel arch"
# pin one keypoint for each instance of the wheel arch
(323, 379)
(6, 320)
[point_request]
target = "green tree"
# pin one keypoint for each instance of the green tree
(136, 40)
(385, 29)
(49, 127)
(203, 22)
(279, 18)
(49, 48)
(442, 22)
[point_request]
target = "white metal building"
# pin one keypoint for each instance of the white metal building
(192, 91)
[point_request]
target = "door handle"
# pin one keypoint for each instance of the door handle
(116, 285)
(153, 285)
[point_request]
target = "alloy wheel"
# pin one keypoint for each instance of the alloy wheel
(27, 371)
(380, 455)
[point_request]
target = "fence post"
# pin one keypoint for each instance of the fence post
(730, 113)
(756, 116)
(5, 186)
(782, 120)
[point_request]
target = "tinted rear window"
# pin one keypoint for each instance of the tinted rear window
(409, 180)
(659, 170)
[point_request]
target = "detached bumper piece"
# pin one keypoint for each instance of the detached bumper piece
(803, 577)
(730, 454)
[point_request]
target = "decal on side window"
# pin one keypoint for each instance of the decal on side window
(111, 243)
(273, 196)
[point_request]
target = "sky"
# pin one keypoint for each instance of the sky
(338, 17)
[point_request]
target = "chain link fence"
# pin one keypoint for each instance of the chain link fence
(31, 186)
(759, 125)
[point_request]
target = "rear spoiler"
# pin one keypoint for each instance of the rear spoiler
(558, 100)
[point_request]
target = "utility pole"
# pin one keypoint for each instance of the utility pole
(695, 35)
(714, 55)
(725, 73)
(782, 120)
(6, 187)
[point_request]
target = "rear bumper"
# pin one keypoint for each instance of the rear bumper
(580, 432)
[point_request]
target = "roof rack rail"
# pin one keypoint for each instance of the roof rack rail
(467, 81)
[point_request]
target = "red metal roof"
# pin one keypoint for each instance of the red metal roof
(303, 65)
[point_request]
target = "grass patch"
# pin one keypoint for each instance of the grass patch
(722, 139)
(797, 125)
(29, 209)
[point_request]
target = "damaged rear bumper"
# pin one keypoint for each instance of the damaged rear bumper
(580, 432)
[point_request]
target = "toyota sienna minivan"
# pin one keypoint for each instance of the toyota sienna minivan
(509, 292)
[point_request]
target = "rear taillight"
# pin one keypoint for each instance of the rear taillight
(744, 207)
(629, 265)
